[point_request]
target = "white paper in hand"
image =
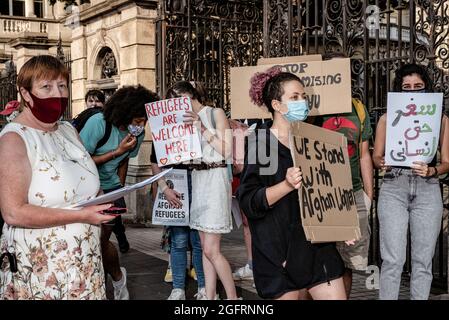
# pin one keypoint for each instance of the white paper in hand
(114, 195)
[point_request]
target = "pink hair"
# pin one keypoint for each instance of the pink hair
(258, 81)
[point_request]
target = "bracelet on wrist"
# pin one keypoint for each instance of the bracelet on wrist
(164, 188)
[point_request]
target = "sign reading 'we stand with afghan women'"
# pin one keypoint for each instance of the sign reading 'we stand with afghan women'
(174, 141)
(326, 196)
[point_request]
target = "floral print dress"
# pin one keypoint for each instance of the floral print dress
(58, 262)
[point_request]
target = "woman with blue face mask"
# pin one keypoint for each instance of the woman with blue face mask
(409, 197)
(284, 262)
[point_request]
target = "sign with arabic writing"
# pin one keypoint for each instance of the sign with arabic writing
(413, 127)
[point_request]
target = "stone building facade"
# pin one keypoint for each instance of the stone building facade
(111, 43)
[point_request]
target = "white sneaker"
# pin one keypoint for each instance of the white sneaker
(201, 294)
(243, 273)
(120, 290)
(177, 294)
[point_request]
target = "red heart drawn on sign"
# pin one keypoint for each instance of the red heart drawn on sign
(177, 158)
(163, 160)
(192, 154)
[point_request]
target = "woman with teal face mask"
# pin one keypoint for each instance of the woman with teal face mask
(284, 262)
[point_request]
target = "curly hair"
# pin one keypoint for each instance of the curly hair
(268, 86)
(409, 69)
(128, 103)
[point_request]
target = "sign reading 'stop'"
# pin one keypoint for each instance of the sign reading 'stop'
(326, 83)
(174, 141)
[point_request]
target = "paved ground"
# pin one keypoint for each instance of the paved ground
(146, 264)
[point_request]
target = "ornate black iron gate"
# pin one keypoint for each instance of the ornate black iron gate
(200, 40)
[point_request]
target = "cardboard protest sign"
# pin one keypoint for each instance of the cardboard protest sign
(163, 212)
(174, 141)
(413, 127)
(326, 197)
(289, 59)
(327, 84)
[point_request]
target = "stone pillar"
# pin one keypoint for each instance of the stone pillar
(137, 65)
(79, 69)
(59, 10)
(25, 53)
(29, 8)
(48, 10)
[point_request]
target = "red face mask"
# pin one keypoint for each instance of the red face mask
(48, 110)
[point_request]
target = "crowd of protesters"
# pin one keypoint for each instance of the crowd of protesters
(51, 251)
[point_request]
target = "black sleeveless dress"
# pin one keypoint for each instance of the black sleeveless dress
(276, 231)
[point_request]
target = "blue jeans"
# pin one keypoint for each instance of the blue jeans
(407, 199)
(178, 254)
(178, 250)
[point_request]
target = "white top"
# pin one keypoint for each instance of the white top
(210, 210)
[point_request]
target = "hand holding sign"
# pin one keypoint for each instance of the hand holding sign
(294, 177)
(420, 168)
(192, 118)
(173, 197)
(382, 164)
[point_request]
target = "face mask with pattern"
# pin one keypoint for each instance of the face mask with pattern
(135, 130)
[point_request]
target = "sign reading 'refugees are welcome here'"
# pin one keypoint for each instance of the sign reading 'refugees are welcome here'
(174, 141)
(327, 201)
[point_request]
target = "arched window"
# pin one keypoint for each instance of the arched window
(108, 63)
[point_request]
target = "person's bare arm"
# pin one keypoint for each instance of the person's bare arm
(293, 180)
(379, 143)
(16, 211)
(172, 196)
(366, 169)
(221, 139)
(443, 167)
(123, 170)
